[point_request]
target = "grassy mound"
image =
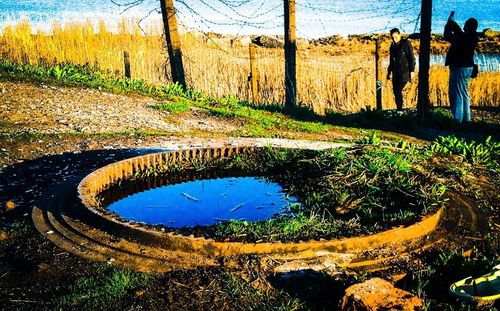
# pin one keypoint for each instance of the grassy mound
(342, 192)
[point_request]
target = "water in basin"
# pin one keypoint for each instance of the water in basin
(205, 202)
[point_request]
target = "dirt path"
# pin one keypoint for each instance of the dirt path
(70, 111)
(55, 109)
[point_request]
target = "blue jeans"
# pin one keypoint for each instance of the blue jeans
(459, 93)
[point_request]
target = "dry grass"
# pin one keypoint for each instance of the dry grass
(325, 80)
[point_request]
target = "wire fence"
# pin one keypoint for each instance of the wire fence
(333, 73)
(344, 82)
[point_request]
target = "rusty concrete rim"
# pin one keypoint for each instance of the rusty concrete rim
(69, 220)
(101, 179)
(58, 218)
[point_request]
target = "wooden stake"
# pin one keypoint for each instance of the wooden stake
(173, 41)
(378, 75)
(254, 74)
(290, 55)
(423, 101)
(126, 61)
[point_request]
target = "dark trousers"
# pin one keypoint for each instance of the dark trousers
(397, 87)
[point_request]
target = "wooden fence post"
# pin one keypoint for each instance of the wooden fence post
(423, 101)
(254, 74)
(173, 41)
(126, 61)
(378, 75)
(290, 55)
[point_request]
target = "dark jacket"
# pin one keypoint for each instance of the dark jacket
(402, 60)
(463, 44)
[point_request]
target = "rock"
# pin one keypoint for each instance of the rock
(139, 293)
(268, 42)
(330, 40)
(489, 33)
(9, 206)
(3, 235)
(378, 294)
(327, 264)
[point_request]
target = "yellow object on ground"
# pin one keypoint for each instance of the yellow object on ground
(486, 287)
(9, 205)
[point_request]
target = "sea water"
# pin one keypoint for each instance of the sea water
(314, 18)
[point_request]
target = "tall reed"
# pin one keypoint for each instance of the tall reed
(326, 81)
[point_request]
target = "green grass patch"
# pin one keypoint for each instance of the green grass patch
(372, 139)
(301, 226)
(246, 297)
(100, 292)
(486, 153)
(91, 77)
(174, 107)
(261, 120)
(342, 191)
(268, 120)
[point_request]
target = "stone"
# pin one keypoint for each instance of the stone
(3, 235)
(9, 206)
(378, 294)
(489, 33)
(330, 40)
(268, 41)
(139, 293)
(325, 263)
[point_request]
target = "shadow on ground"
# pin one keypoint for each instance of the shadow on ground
(486, 121)
(318, 290)
(22, 183)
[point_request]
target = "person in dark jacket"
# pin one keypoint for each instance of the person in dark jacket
(401, 65)
(460, 59)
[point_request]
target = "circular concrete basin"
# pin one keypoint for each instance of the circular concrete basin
(93, 184)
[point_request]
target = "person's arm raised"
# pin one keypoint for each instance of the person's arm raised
(451, 29)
